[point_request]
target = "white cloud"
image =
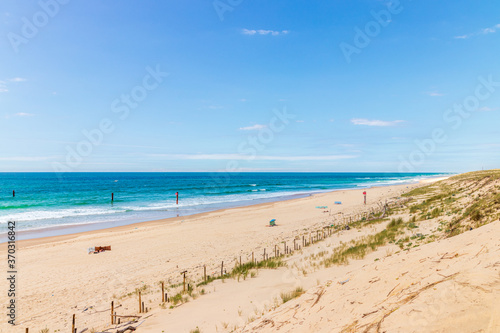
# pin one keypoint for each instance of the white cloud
(249, 32)
(24, 114)
(252, 128)
(252, 32)
(246, 157)
(381, 123)
(484, 31)
(17, 79)
(299, 121)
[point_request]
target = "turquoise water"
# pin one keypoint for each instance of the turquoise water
(43, 201)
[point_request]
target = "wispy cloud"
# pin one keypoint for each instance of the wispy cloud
(381, 123)
(24, 114)
(3, 83)
(252, 32)
(484, 31)
(434, 94)
(28, 158)
(253, 128)
(245, 157)
(487, 109)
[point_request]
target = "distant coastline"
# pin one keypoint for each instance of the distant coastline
(93, 223)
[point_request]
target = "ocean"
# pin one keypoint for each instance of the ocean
(46, 205)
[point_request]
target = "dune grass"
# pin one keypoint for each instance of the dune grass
(358, 249)
(291, 295)
(244, 269)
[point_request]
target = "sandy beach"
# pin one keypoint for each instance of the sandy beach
(57, 278)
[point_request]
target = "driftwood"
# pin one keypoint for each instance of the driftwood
(129, 328)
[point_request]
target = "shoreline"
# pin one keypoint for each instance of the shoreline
(44, 239)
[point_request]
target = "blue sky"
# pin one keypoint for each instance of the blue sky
(67, 67)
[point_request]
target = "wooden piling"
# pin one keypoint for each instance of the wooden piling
(275, 251)
(112, 311)
(143, 308)
(73, 324)
(27, 330)
(253, 258)
(205, 273)
(240, 260)
(163, 292)
(222, 269)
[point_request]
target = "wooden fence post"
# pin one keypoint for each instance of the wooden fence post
(112, 311)
(163, 292)
(264, 257)
(184, 280)
(73, 324)
(140, 303)
(205, 273)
